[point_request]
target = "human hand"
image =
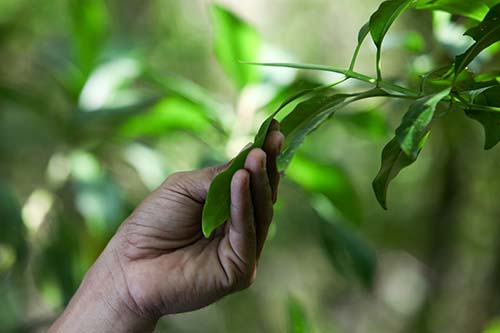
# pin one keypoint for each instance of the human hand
(159, 262)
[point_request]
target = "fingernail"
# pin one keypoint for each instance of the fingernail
(263, 162)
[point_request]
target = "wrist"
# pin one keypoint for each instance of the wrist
(99, 304)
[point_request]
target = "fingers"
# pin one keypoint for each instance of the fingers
(242, 236)
(256, 164)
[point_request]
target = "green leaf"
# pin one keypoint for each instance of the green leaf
(416, 122)
(485, 34)
(393, 161)
(89, 23)
(489, 120)
(309, 115)
(473, 9)
(306, 117)
(298, 322)
(217, 208)
(330, 180)
(348, 253)
(363, 32)
(235, 41)
(169, 114)
(382, 19)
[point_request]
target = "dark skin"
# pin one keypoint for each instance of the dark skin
(159, 263)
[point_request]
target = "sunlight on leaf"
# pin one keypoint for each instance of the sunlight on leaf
(235, 41)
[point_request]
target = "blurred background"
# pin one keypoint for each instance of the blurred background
(101, 100)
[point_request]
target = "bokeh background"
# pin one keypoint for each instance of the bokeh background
(101, 100)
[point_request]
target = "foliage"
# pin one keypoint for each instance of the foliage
(90, 124)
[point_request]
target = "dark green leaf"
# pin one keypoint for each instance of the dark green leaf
(349, 255)
(384, 17)
(235, 41)
(485, 34)
(298, 321)
(310, 114)
(331, 181)
(305, 118)
(416, 122)
(393, 161)
(489, 120)
(474, 9)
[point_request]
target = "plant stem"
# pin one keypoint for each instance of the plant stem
(379, 70)
(346, 72)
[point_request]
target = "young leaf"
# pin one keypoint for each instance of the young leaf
(384, 17)
(348, 253)
(393, 161)
(489, 120)
(485, 34)
(235, 41)
(331, 181)
(416, 122)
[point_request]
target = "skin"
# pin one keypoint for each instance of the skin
(159, 263)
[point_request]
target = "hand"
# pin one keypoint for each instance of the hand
(159, 262)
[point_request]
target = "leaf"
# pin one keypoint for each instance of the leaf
(331, 181)
(302, 120)
(485, 34)
(235, 41)
(306, 117)
(217, 208)
(473, 9)
(416, 122)
(298, 322)
(489, 120)
(349, 254)
(310, 114)
(169, 114)
(393, 161)
(363, 32)
(382, 19)
(89, 23)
